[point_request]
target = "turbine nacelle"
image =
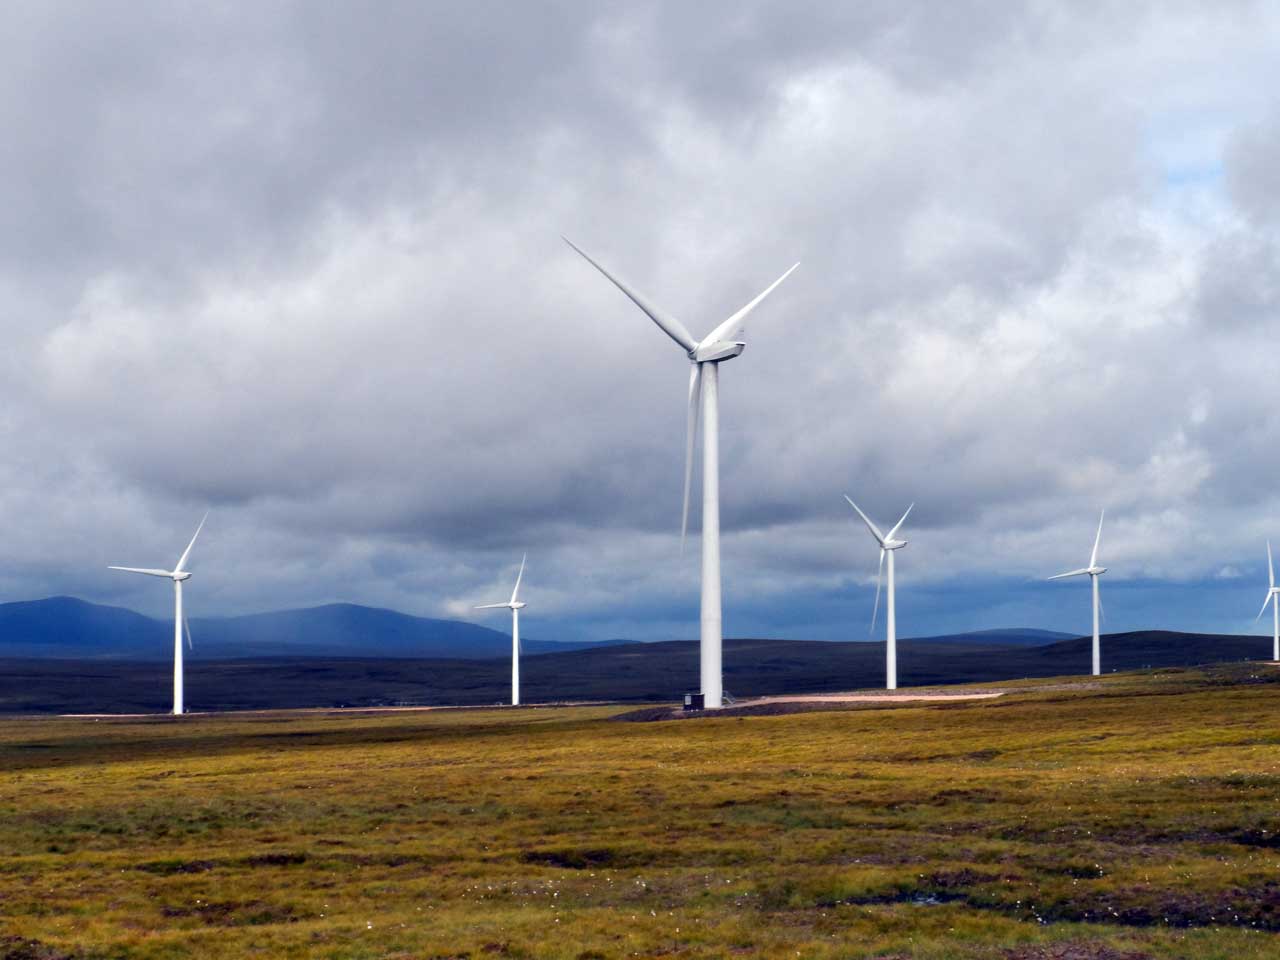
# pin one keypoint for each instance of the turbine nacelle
(180, 575)
(893, 544)
(717, 350)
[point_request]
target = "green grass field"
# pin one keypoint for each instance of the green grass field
(1136, 816)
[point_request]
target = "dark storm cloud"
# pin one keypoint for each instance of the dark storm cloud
(302, 262)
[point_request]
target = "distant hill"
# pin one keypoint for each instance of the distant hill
(71, 628)
(628, 672)
(1005, 637)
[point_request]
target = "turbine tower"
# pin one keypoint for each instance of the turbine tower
(515, 606)
(1094, 571)
(1273, 598)
(888, 544)
(178, 574)
(723, 343)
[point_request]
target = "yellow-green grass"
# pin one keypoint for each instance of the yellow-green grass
(1131, 815)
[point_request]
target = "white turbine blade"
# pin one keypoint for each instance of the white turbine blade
(1093, 558)
(1264, 607)
(182, 560)
(691, 440)
(897, 526)
(493, 606)
(672, 327)
(875, 531)
(1271, 569)
(187, 627)
(876, 608)
(1102, 610)
(519, 577)
(734, 328)
(1070, 573)
(149, 571)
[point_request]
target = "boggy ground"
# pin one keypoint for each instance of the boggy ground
(1119, 819)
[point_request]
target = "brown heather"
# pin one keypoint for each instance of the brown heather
(1120, 819)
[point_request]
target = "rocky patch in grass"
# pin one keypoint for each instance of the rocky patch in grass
(1073, 950)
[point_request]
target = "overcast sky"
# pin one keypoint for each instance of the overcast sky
(300, 264)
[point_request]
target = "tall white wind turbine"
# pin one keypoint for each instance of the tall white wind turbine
(1094, 571)
(1273, 598)
(178, 574)
(515, 606)
(888, 544)
(705, 356)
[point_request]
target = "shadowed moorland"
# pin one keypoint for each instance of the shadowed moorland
(627, 672)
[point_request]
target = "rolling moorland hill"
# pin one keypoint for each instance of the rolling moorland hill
(636, 672)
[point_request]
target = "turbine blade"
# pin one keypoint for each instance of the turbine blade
(1264, 607)
(1070, 573)
(182, 560)
(1271, 569)
(519, 577)
(186, 625)
(875, 531)
(672, 327)
(1093, 558)
(876, 608)
(898, 525)
(734, 328)
(690, 442)
(493, 606)
(1102, 610)
(149, 571)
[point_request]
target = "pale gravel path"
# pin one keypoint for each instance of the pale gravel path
(868, 698)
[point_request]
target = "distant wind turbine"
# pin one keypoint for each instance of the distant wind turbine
(723, 343)
(888, 544)
(1273, 598)
(1094, 571)
(515, 606)
(178, 574)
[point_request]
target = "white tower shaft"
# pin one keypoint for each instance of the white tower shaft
(1097, 652)
(1275, 627)
(711, 680)
(177, 647)
(515, 656)
(891, 633)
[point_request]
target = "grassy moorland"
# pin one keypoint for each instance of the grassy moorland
(1129, 817)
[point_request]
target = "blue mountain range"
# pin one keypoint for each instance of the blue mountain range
(65, 627)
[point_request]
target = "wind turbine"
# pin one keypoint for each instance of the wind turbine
(1094, 571)
(1273, 598)
(178, 574)
(888, 544)
(515, 606)
(723, 343)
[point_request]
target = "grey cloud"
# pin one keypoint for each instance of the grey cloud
(303, 263)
